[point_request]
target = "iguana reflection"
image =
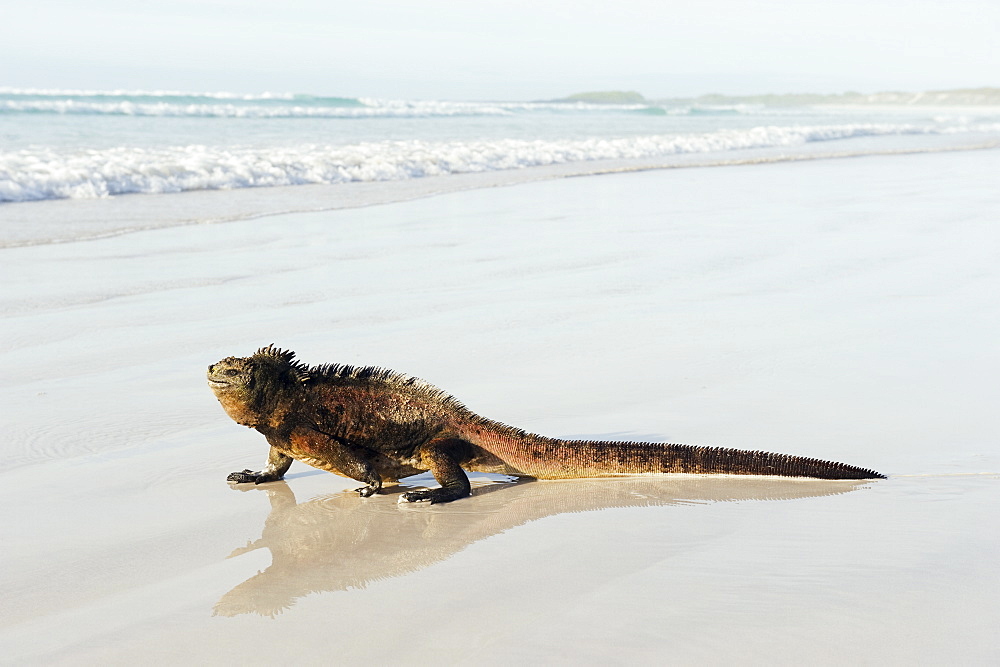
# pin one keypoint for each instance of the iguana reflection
(334, 542)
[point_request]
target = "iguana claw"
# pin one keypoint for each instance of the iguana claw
(245, 477)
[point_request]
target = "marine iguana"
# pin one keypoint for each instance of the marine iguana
(375, 425)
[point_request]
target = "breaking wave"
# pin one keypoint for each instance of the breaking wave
(267, 105)
(47, 173)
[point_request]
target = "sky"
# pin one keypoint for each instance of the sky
(500, 49)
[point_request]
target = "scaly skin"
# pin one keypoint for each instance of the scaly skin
(376, 426)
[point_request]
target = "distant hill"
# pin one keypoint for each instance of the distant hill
(957, 97)
(606, 97)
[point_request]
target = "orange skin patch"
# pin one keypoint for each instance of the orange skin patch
(306, 443)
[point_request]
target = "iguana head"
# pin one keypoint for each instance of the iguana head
(251, 389)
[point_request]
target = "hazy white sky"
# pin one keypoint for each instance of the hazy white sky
(501, 49)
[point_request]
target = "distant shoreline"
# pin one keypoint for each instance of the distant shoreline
(953, 97)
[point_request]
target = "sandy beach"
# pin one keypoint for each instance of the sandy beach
(844, 309)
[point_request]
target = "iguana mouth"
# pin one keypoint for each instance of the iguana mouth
(213, 382)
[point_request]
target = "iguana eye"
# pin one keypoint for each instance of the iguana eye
(230, 371)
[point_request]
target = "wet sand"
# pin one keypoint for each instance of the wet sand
(841, 309)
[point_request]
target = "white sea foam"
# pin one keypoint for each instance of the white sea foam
(267, 105)
(290, 106)
(48, 173)
(199, 108)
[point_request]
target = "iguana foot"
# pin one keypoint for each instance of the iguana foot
(367, 491)
(414, 497)
(442, 495)
(248, 476)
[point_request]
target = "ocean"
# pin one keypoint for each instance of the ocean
(58, 144)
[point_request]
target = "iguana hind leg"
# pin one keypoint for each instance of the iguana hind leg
(441, 457)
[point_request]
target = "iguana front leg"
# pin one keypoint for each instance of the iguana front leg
(277, 465)
(441, 457)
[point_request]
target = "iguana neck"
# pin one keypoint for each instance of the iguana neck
(260, 409)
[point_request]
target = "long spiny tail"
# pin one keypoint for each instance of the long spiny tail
(548, 458)
(685, 458)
